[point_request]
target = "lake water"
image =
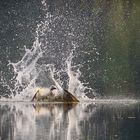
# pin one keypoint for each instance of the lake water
(99, 120)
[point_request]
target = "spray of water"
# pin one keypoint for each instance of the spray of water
(48, 62)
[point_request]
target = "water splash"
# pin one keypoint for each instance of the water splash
(75, 85)
(49, 61)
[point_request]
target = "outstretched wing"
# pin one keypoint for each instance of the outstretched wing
(34, 97)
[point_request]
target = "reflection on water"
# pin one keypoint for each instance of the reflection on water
(84, 121)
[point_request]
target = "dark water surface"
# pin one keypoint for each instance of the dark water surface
(100, 120)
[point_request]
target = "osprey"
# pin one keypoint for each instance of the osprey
(54, 95)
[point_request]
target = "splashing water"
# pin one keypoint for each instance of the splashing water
(48, 62)
(75, 85)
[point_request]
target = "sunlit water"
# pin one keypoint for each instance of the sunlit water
(103, 120)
